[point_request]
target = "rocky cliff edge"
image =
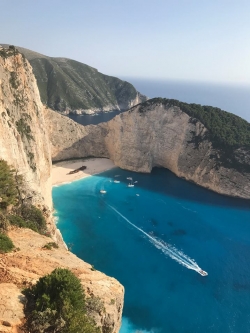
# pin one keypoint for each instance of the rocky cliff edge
(155, 135)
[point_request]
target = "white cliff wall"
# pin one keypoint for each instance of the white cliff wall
(156, 135)
(23, 139)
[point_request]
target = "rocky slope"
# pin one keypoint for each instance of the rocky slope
(69, 86)
(24, 144)
(156, 134)
(24, 267)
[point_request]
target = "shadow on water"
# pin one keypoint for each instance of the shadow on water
(86, 119)
(172, 186)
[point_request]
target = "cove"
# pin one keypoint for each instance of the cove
(127, 234)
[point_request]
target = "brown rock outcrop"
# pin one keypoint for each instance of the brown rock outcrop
(31, 261)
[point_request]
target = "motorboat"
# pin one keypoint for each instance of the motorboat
(116, 181)
(131, 185)
(103, 191)
(203, 273)
(129, 178)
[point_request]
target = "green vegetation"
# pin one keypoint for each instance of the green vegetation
(24, 129)
(8, 52)
(57, 304)
(14, 80)
(28, 216)
(50, 246)
(14, 210)
(226, 130)
(6, 244)
(8, 190)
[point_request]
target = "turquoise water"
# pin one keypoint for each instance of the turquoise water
(152, 237)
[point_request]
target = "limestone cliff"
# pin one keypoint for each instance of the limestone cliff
(23, 140)
(155, 135)
(24, 144)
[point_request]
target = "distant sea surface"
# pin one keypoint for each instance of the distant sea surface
(231, 98)
(153, 238)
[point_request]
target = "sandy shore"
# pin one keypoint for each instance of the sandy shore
(94, 165)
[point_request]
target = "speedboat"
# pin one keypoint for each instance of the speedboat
(103, 191)
(131, 185)
(116, 181)
(203, 273)
(129, 178)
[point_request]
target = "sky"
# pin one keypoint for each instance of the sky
(198, 40)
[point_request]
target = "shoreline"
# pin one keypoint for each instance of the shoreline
(60, 171)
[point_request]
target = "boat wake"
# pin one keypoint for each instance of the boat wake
(167, 249)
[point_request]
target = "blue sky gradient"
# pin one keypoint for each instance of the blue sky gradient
(163, 39)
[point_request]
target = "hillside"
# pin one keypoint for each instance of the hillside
(69, 86)
(226, 129)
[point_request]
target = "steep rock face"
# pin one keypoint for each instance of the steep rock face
(26, 266)
(71, 140)
(156, 135)
(140, 139)
(23, 141)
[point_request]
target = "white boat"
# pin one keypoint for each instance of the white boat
(203, 273)
(131, 183)
(103, 191)
(129, 178)
(116, 181)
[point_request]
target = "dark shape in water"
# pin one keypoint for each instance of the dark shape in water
(154, 222)
(179, 232)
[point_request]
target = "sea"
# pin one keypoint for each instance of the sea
(154, 238)
(234, 98)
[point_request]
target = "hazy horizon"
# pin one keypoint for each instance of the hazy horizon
(164, 39)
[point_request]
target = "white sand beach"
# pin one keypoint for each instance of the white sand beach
(93, 165)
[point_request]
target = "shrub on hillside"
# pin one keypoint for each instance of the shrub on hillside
(33, 217)
(6, 244)
(57, 304)
(18, 221)
(8, 190)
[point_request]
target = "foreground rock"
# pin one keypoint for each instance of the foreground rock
(31, 261)
(154, 136)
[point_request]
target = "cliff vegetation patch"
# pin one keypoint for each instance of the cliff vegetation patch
(15, 208)
(6, 244)
(226, 129)
(56, 303)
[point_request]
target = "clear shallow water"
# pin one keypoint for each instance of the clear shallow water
(127, 233)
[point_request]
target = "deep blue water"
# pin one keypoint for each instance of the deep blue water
(228, 97)
(231, 98)
(161, 294)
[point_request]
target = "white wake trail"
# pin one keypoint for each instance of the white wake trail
(167, 249)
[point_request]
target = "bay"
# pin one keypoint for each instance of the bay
(151, 237)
